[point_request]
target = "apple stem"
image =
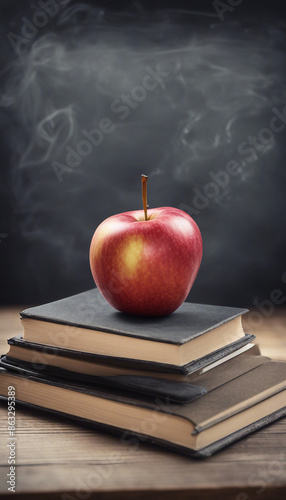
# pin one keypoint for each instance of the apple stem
(144, 179)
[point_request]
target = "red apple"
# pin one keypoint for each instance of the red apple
(146, 267)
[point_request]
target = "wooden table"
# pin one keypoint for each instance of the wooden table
(57, 459)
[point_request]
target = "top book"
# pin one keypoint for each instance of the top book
(87, 323)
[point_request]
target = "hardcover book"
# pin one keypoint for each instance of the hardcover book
(199, 428)
(86, 323)
(41, 356)
(180, 391)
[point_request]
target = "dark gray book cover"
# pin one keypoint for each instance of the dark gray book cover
(201, 454)
(186, 411)
(178, 392)
(90, 310)
(187, 369)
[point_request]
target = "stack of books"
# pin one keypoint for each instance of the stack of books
(193, 381)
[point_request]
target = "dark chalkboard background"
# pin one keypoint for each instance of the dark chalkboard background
(225, 85)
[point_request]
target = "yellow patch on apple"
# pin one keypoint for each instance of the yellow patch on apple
(101, 235)
(132, 255)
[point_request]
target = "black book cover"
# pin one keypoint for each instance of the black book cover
(155, 386)
(187, 369)
(202, 453)
(89, 310)
(223, 401)
(178, 392)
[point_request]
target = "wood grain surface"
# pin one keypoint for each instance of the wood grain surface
(58, 459)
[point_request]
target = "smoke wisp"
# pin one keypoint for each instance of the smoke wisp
(222, 84)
